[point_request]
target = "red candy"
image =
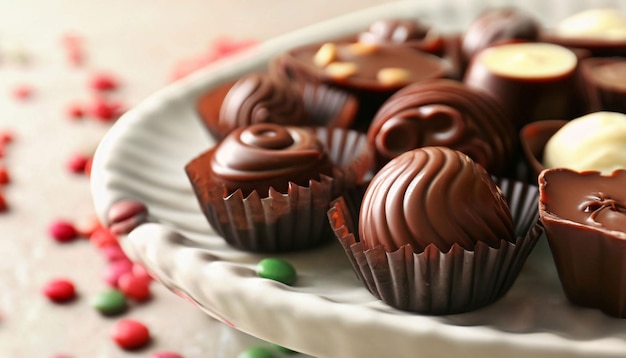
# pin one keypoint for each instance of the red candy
(75, 111)
(22, 91)
(115, 270)
(59, 290)
(3, 203)
(134, 287)
(63, 231)
(101, 237)
(130, 334)
(104, 110)
(103, 82)
(4, 176)
(6, 137)
(78, 163)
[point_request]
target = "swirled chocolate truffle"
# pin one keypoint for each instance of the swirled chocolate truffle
(444, 113)
(433, 196)
(407, 32)
(497, 26)
(260, 98)
(267, 155)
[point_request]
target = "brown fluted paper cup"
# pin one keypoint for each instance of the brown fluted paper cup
(435, 282)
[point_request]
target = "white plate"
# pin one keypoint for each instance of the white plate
(327, 313)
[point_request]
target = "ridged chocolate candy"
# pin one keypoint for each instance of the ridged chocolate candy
(437, 196)
(260, 98)
(444, 113)
(268, 155)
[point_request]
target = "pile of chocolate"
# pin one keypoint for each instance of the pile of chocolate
(425, 146)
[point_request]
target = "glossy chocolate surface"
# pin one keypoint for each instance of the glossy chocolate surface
(433, 195)
(586, 198)
(261, 156)
(499, 25)
(259, 98)
(299, 63)
(444, 113)
(533, 139)
(409, 32)
(528, 97)
(604, 81)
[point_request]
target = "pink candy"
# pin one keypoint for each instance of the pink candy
(135, 287)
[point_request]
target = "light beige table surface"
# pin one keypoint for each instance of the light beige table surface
(139, 41)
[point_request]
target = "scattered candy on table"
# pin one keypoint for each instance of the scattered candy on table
(62, 231)
(110, 302)
(59, 290)
(257, 352)
(278, 270)
(130, 334)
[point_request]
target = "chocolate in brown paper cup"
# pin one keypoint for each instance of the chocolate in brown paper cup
(277, 222)
(327, 106)
(350, 152)
(435, 282)
(590, 264)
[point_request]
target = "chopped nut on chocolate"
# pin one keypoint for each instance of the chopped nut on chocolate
(326, 54)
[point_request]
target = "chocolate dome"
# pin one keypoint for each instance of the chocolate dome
(268, 155)
(433, 196)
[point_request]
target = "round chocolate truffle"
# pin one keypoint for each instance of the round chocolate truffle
(433, 196)
(444, 113)
(260, 98)
(496, 26)
(261, 156)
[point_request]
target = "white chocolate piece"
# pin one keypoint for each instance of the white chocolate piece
(608, 24)
(596, 141)
(529, 60)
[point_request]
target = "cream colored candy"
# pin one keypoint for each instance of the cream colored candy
(529, 60)
(608, 24)
(596, 141)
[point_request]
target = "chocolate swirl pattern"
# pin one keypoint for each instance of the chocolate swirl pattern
(268, 155)
(260, 98)
(437, 196)
(443, 113)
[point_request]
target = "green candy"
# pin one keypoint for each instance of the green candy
(109, 302)
(283, 349)
(256, 352)
(277, 270)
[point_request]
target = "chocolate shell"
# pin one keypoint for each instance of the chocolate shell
(255, 98)
(584, 215)
(433, 196)
(408, 32)
(444, 113)
(496, 26)
(604, 83)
